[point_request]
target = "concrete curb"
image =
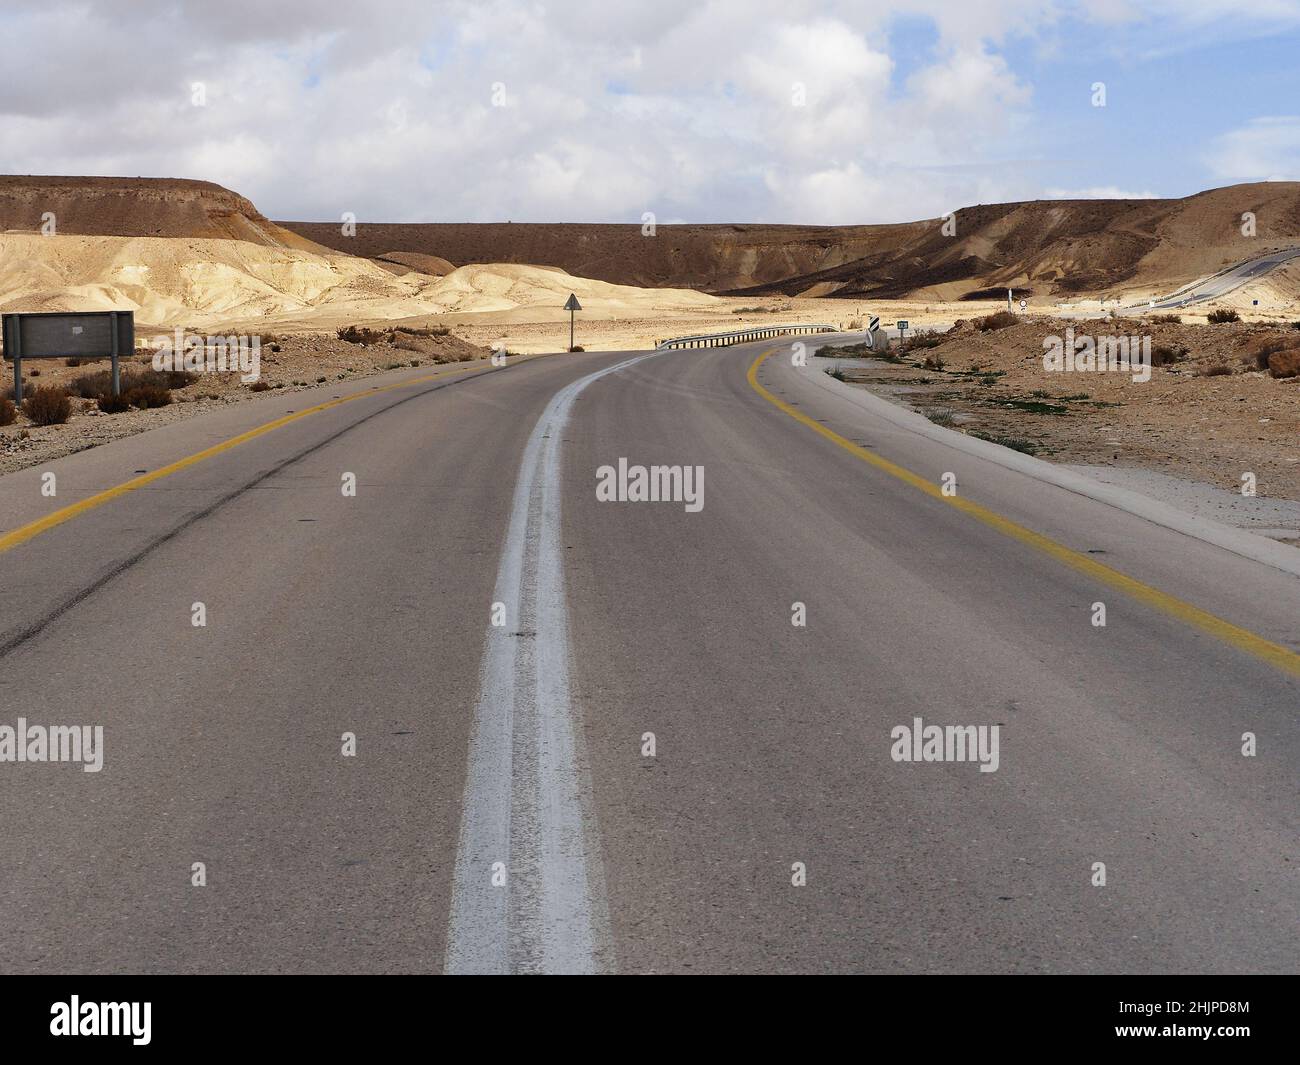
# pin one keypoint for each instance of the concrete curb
(1238, 541)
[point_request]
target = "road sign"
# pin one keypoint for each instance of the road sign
(903, 325)
(1024, 304)
(71, 334)
(571, 305)
(874, 324)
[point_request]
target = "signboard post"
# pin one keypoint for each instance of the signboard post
(571, 305)
(903, 325)
(67, 334)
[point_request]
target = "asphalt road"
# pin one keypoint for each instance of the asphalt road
(501, 812)
(1222, 283)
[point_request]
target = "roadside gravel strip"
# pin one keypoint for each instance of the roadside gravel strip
(525, 897)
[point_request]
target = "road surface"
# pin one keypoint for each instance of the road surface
(502, 811)
(1222, 283)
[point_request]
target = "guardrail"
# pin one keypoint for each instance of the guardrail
(741, 336)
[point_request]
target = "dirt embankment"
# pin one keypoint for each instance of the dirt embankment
(1209, 414)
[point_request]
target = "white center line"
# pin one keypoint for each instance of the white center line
(528, 888)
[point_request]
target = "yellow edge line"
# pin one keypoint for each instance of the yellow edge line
(1274, 654)
(26, 532)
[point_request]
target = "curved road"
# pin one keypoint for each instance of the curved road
(502, 812)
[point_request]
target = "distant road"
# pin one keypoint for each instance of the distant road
(502, 812)
(1222, 283)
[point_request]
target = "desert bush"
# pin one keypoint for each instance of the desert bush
(1165, 354)
(355, 334)
(1217, 370)
(1222, 316)
(8, 412)
(146, 396)
(427, 331)
(1166, 319)
(577, 347)
(258, 386)
(934, 362)
(997, 320)
(94, 385)
(111, 404)
(1285, 363)
(48, 406)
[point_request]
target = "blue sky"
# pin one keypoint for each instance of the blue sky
(816, 111)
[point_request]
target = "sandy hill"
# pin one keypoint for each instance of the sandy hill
(138, 207)
(206, 283)
(1056, 248)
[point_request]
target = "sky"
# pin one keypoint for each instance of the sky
(800, 111)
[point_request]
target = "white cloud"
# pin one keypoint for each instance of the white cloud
(1265, 149)
(1098, 192)
(681, 108)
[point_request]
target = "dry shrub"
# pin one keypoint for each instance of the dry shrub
(998, 320)
(355, 334)
(145, 396)
(8, 412)
(48, 406)
(1222, 316)
(1217, 370)
(1166, 354)
(428, 331)
(111, 404)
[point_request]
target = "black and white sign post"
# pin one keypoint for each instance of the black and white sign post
(572, 305)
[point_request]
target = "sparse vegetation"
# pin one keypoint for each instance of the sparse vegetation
(48, 405)
(94, 385)
(1217, 370)
(1167, 354)
(942, 417)
(145, 396)
(933, 362)
(355, 334)
(428, 331)
(1027, 447)
(8, 412)
(111, 404)
(997, 320)
(259, 386)
(1222, 316)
